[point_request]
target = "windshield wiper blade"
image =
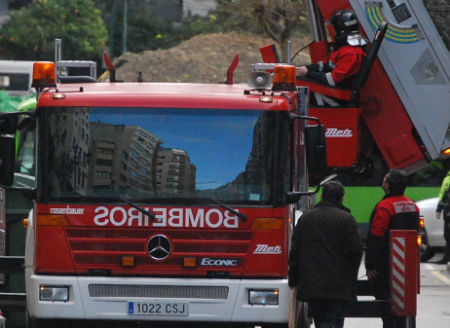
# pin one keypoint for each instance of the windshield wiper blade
(140, 209)
(202, 199)
(243, 217)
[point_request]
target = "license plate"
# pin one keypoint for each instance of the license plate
(157, 308)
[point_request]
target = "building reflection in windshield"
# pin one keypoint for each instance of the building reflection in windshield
(128, 159)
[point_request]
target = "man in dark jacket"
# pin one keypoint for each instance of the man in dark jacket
(325, 255)
(394, 211)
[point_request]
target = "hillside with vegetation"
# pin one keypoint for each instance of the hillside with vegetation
(203, 58)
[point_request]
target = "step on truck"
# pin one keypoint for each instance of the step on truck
(164, 201)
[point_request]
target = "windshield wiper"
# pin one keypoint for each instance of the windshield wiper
(140, 209)
(243, 217)
(191, 200)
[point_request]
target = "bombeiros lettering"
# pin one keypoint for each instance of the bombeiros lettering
(174, 217)
(338, 133)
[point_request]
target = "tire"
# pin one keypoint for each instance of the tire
(426, 251)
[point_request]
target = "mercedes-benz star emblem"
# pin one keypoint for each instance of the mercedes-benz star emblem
(159, 247)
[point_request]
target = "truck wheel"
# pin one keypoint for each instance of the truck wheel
(426, 252)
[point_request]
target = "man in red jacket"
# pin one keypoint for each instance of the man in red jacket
(346, 59)
(394, 211)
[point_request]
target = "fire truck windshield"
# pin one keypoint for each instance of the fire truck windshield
(160, 154)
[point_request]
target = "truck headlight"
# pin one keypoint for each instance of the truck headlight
(54, 293)
(263, 296)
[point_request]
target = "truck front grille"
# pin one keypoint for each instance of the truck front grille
(157, 291)
(93, 248)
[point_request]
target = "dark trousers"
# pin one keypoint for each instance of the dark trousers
(447, 235)
(446, 215)
(382, 292)
(328, 313)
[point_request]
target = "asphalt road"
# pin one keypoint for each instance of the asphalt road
(433, 302)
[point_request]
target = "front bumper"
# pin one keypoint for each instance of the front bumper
(107, 298)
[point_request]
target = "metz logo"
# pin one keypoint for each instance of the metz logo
(266, 249)
(338, 133)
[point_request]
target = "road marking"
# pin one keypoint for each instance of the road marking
(437, 274)
(440, 276)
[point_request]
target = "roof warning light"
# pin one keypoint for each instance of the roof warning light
(44, 75)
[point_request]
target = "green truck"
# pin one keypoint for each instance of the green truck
(15, 95)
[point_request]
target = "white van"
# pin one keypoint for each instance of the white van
(16, 76)
(433, 231)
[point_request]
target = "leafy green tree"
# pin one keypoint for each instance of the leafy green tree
(30, 32)
(145, 30)
(215, 22)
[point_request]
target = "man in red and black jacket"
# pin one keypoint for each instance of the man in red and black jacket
(346, 59)
(394, 211)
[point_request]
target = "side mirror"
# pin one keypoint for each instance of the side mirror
(316, 151)
(7, 155)
(8, 123)
(8, 128)
(316, 156)
(315, 144)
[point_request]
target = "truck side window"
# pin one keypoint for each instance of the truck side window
(26, 151)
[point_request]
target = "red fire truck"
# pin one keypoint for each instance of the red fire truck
(391, 116)
(393, 112)
(164, 202)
